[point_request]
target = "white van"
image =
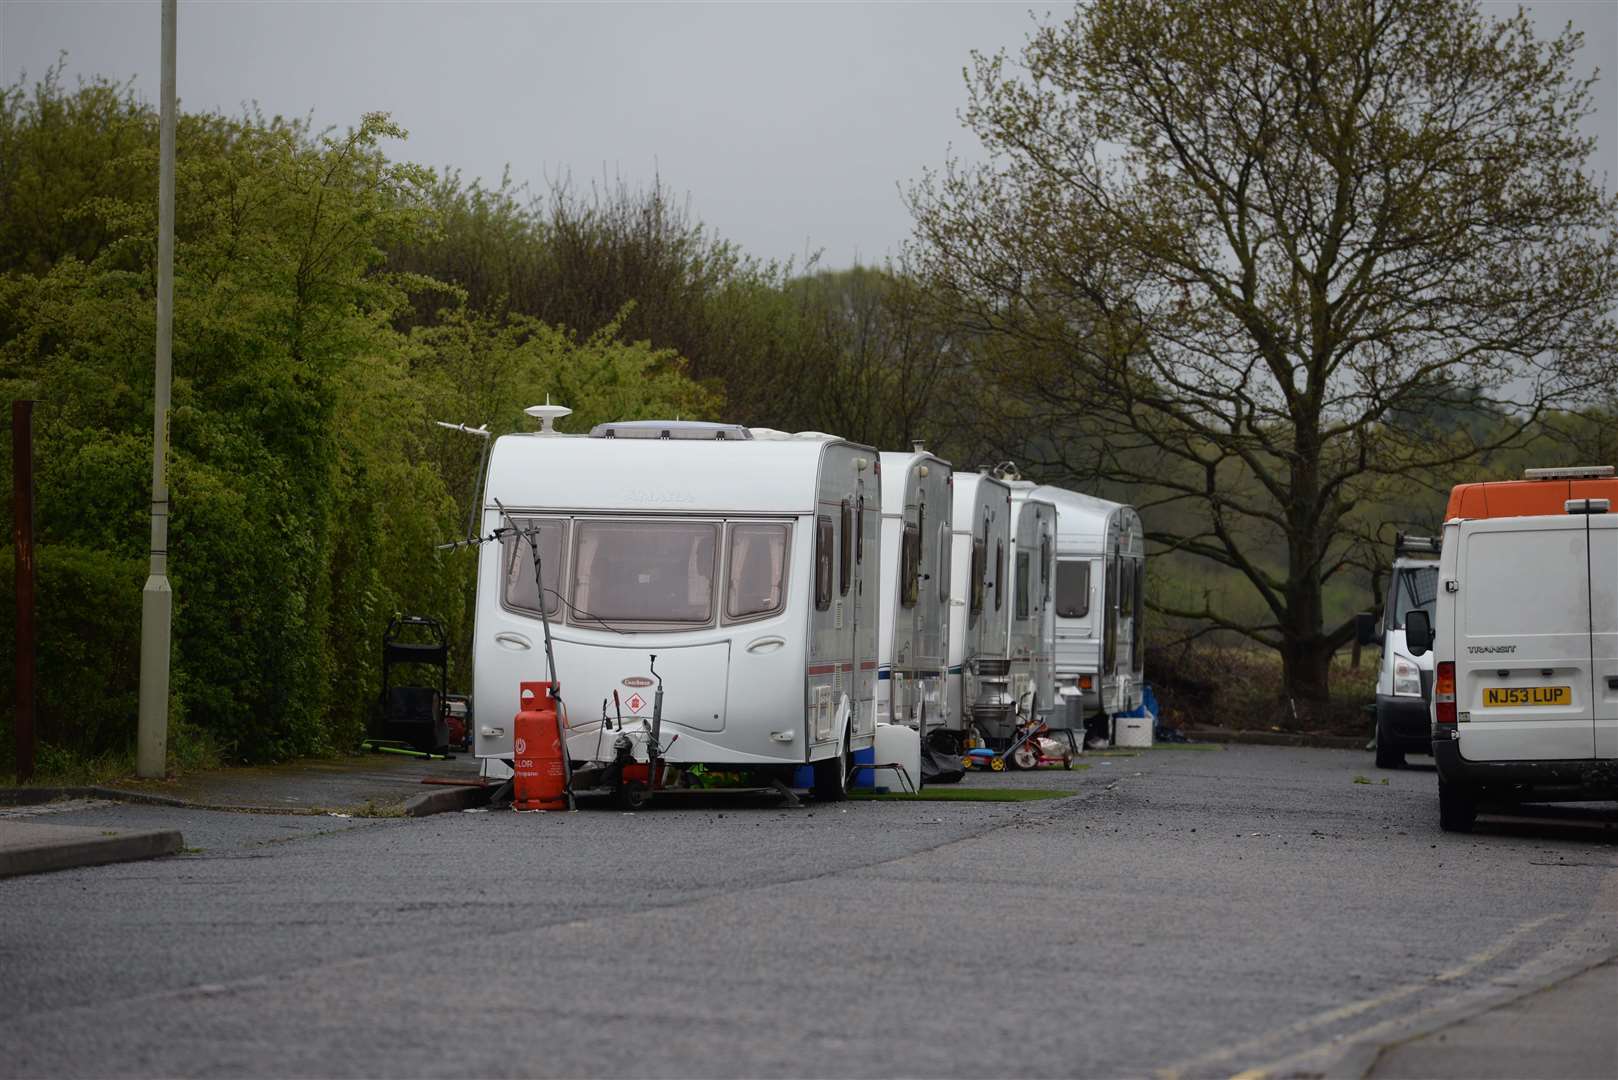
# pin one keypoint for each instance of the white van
(1404, 683)
(745, 560)
(1525, 687)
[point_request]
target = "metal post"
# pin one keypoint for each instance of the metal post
(157, 601)
(22, 530)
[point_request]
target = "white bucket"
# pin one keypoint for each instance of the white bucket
(1133, 730)
(898, 745)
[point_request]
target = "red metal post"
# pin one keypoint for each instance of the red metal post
(22, 530)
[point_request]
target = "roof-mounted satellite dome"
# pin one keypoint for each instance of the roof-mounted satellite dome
(547, 415)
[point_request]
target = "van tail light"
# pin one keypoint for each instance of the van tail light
(1444, 694)
(1084, 682)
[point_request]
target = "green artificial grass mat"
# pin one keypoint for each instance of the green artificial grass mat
(958, 794)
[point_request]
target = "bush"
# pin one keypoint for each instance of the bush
(87, 627)
(1203, 684)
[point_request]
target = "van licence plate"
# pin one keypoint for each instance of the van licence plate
(1518, 696)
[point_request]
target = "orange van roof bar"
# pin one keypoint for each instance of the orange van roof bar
(1540, 491)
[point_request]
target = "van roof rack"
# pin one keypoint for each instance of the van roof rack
(691, 430)
(1571, 472)
(1405, 544)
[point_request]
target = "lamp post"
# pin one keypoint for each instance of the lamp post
(157, 599)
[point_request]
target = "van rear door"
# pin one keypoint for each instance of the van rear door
(1604, 630)
(1524, 687)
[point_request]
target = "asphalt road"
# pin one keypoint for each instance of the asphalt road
(1185, 913)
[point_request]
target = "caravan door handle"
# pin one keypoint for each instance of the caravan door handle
(515, 642)
(1612, 682)
(765, 644)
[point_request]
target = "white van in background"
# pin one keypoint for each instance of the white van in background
(1525, 643)
(1404, 682)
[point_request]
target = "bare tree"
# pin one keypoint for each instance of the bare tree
(1250, 251)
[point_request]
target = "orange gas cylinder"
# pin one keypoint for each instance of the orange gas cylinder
(541, 775)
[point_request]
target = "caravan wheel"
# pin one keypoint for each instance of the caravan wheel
(831, 776)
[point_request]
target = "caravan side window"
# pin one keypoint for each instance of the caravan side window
(519, 591)
(757, 571)
(823, 545)
(944, 562)
(859, 529)
(1045, 568)
(845, 549)
(1073, 588)
(979, 570)
(1137, 649)
(1022, 584)
(999, 574)
(909, 566)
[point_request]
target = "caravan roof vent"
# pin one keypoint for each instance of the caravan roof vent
(1573, 472)
(547, 415)
(691, 430)
(1006, 470)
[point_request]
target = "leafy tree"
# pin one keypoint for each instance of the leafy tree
(1236, 246)
(308, 485)
(875, 360)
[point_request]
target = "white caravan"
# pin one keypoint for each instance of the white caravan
(1100, 603)
(1031, 621)
(981, 528)
(747, 565)
(913, 636)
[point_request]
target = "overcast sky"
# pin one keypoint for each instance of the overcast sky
(792, 126)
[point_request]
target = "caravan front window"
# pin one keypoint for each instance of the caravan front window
(517, 564)
(758, 565)
(644, 572)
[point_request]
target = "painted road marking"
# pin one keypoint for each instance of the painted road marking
(1217, 1060)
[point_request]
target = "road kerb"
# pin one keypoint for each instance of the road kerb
(31, 848)
(448, 800)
